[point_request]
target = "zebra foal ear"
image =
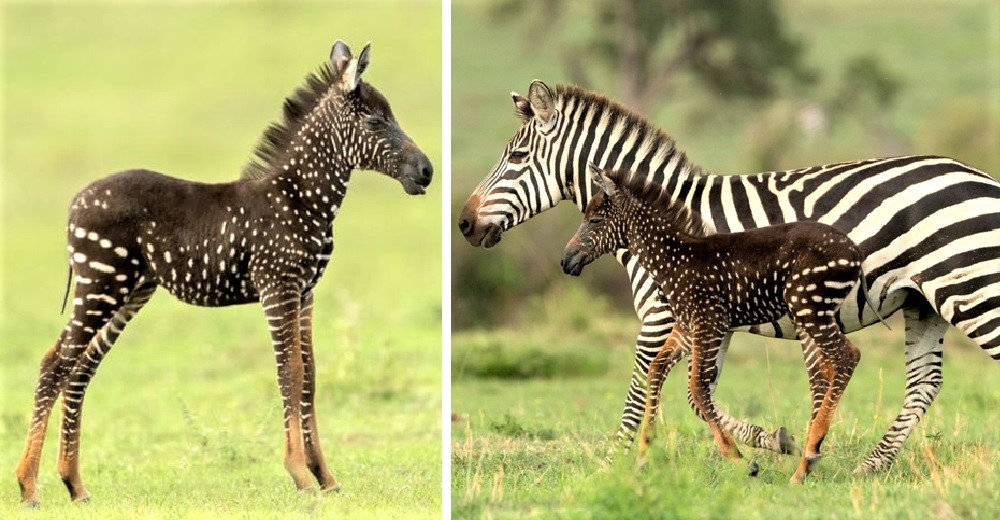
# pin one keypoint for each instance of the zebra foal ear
(605, 183)
(542, 101)
(340, 55)
(349, 68)
(522, 107)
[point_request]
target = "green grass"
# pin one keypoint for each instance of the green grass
(183, 418)
(534, 448)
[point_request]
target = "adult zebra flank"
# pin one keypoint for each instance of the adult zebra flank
(266, 238)
(928, 227)
(717, 282)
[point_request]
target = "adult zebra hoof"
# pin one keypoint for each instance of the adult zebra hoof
(786, 442)
(753, 469)
(869, 467)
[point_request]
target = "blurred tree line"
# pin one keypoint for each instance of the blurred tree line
(742, 54)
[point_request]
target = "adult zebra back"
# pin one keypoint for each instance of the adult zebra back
(929, 228)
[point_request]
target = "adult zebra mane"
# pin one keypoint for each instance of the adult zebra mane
(659, 201)
(645, 129)
(277, 136)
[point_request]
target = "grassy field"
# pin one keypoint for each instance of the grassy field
(532, 444)
(183, 419)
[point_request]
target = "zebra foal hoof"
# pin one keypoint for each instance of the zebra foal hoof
(753, 469)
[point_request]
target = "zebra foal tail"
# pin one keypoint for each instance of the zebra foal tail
(69, 279)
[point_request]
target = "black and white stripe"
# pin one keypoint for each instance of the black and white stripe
(929, 228)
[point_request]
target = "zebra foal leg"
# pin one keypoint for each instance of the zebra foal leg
(76, 383)
(705, 343)
(282, 309)
(778, 441)
(314, 454)
(658, 370)
(839, 359)
(46, 391)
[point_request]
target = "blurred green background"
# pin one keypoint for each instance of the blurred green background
(184, 417)
(835, 81)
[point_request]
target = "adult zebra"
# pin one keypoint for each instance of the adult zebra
(929, 228)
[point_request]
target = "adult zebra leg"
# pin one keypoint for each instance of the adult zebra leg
(75, 387)
(925, 331)
(314, 454)
(282, 306)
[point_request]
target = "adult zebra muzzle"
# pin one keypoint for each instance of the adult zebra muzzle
(475, 230)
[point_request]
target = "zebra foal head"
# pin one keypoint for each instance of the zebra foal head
(361, 124)
(603, 229)
(522, 183)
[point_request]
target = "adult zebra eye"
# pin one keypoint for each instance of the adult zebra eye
(518, 155)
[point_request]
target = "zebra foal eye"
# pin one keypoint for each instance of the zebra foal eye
(596, 221)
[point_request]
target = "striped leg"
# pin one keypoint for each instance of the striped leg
(314, 454)
(838, 360)
(658, 370)
(924, 336)
(76, 386)
(282, 308)
(779, 441)
(818, 382)
(657, 322)
(706, 340)
(46, 391)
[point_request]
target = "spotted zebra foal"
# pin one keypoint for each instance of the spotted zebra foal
(716, 282)
(266, 238)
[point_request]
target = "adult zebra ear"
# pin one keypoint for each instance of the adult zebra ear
(542, 101)
(347, 67)
(605, 183)
(522, 107)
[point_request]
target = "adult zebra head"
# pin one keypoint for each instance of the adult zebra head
(546, 160)
(522, 183)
